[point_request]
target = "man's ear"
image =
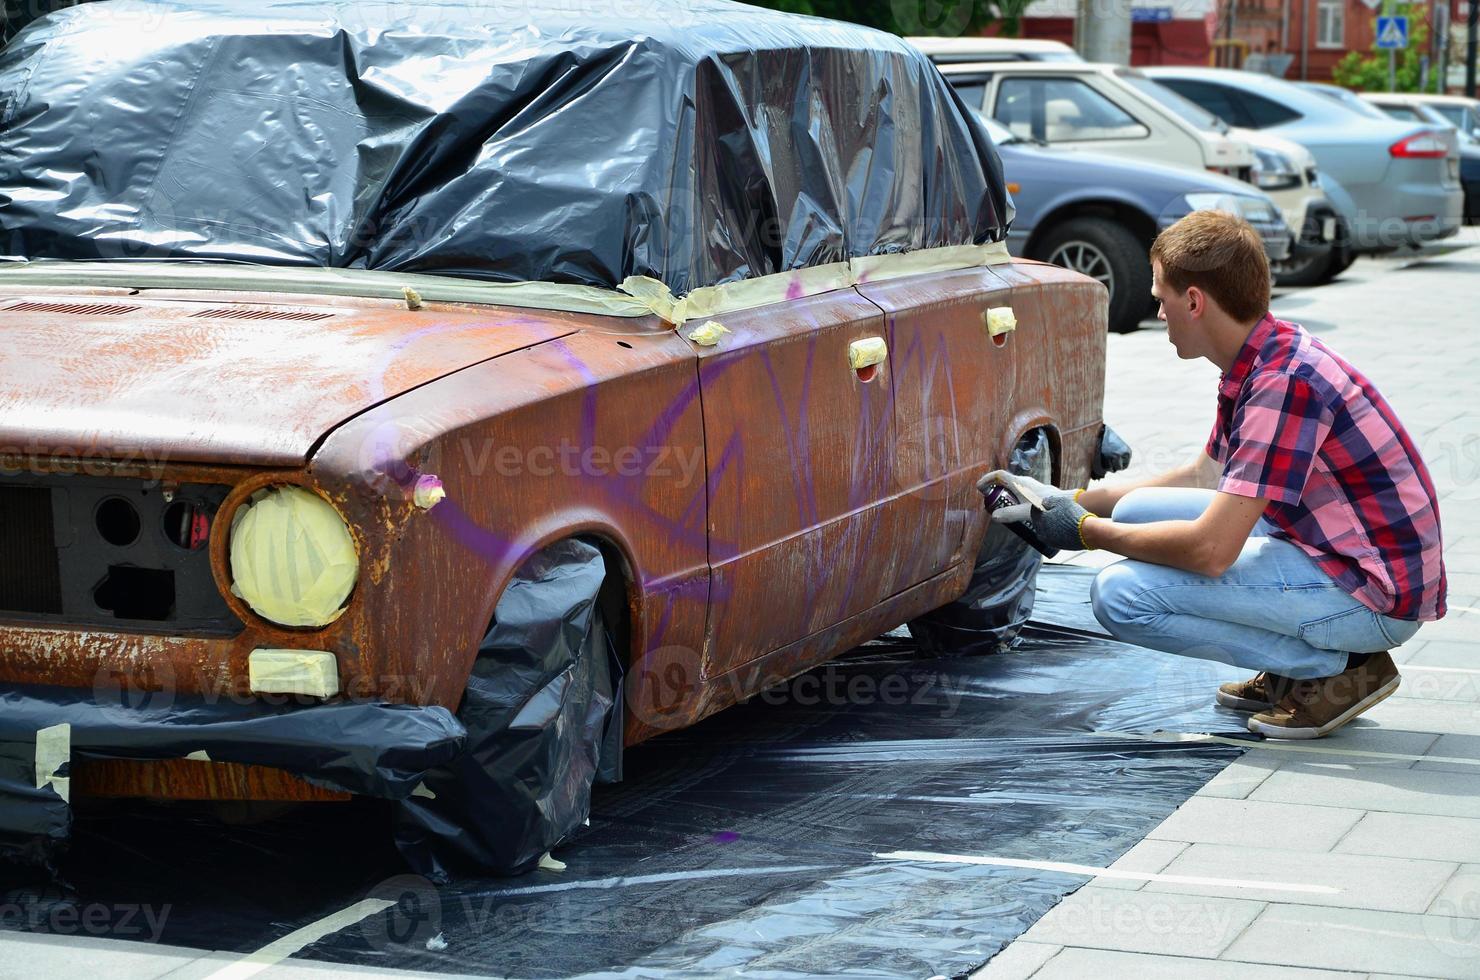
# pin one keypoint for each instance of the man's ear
(1197, 301)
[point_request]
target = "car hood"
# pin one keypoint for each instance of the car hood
(225, 379)
(1081, 168)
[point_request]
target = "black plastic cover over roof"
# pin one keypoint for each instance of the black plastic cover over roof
(697, 142)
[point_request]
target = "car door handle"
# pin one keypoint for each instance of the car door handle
(867, 353)
(1000, 321)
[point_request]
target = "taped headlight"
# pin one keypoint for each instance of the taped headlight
(1246, 206)
(293, 559)
(1274, 171)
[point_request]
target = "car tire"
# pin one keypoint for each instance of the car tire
(1321, 269)
(543, 716)
(1108, 252)
(988, 616)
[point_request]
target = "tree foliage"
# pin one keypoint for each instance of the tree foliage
(947, 18)
(1368, 71)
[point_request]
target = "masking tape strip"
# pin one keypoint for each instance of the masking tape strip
(294, 942)
(293, 558)
(747, 294)
(1281, 745)
(326, 282)
(1091, 871)
(53, 751)
(311, 672)
(637, 296)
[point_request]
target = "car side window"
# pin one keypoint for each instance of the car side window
(1059, 110)
(1214, 98)
(1263, 112)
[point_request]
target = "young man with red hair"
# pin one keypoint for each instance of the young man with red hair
(1303, 542)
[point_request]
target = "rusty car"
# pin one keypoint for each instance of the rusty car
(315, 337)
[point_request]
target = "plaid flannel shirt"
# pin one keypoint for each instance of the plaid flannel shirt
(1300, 427)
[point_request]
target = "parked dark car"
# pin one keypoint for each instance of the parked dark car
(1097, 214)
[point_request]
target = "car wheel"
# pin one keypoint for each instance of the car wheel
(1109, 253)
(999, 598)
(1311, 271)
(543, 719)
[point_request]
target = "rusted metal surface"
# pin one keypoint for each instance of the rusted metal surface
(192, 779)
(767, 506)
(216, 379)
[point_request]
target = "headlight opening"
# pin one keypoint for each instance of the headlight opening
(293, 559)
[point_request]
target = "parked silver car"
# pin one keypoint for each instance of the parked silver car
(1402, 178)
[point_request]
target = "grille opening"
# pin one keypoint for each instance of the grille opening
(30, 581)
(137, 593)
(118, 522)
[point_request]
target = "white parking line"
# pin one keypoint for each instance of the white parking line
(1090, 870)
(1281, 745)
(275, 952)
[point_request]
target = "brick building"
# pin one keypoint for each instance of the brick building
(1305, 38)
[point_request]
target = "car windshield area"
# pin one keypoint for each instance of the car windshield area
(1062, 110)
(1184, 109)
(1001, 135)
(1407, 113)
(1462, 117)
(1345, 98)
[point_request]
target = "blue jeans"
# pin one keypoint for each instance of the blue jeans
(1273, 610)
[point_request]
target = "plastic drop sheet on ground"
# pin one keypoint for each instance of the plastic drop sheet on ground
(751, 841)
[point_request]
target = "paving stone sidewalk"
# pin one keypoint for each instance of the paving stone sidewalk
(1358, 855)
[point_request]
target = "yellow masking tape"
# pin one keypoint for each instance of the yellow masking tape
(637, 296)
(293, 559)
(708, 333)
(311, 672)
(1000, 320)
(53, 751)
(748, 294)
(867, 352)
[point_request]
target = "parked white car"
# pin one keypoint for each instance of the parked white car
(957, 50)
(1287, 172)
(1117, 110)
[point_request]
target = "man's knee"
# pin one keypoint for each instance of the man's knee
(1113, 595)
(1146, 505)
(1136, 507)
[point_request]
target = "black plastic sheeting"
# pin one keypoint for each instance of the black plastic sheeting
(999, 597)
(34, 821)
(748, 842)
(539, 714)
(354, 747)
(693, 141)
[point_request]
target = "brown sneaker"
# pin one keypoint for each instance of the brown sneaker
(1318, 707)
(1259, 693)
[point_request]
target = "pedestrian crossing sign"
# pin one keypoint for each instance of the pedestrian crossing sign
(1392, 32)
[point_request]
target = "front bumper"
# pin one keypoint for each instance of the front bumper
(371, 749)
(1276, 238)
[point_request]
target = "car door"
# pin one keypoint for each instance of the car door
(800, 459)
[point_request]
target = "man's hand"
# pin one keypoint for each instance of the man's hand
(1046, 492)
(1056, 524)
